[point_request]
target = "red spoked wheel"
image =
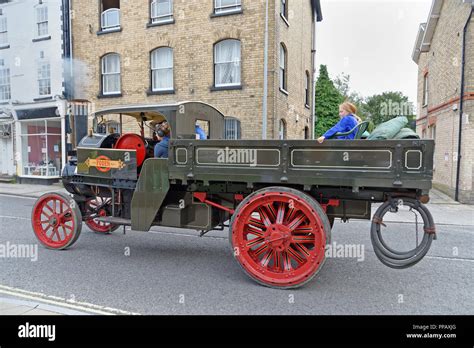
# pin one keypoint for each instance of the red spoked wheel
(56, 221)
(99, 207)
(279, 236)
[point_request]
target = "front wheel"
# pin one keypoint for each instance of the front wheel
(56, 221)
(278, 236)
(96, 208)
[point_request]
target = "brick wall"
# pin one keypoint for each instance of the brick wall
(443, 65)
(192, 37)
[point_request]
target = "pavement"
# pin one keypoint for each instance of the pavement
(170, 271)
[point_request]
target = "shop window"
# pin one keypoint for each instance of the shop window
(41, 148)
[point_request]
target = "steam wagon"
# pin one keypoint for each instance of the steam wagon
(278, 198)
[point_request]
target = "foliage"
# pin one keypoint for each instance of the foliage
(328, 99)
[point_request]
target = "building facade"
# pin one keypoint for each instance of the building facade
(166, 51)
(33, 103)
(444, 52)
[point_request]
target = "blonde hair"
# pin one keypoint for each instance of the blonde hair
(351, 108)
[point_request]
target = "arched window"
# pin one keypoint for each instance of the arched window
(111, 74)
(110, 15)
(283, 67)
(227, 63)
(162, 69)
(282, 130)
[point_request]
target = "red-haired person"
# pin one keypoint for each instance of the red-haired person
(349, 120)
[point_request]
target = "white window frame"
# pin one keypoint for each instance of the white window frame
(105, 74)
(3, 31)
(425, 89)
(239, 62)
(154, 68)
(284, 9)
(44, 67)
(42, 18)
(5, 82)
(220, 9)
(283, 68)
(104, 25)
(163, 18)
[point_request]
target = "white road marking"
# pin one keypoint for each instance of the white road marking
(449, 258)
(15, 218)
(20, 197)
(62, 302)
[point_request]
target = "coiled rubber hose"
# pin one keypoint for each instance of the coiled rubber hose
(393, 258)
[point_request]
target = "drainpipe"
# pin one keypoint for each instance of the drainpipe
(265, 78)
(313, 97)
(461, 105)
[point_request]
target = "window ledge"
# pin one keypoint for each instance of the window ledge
(284, 91)
(43, 38)
(106, 96)
(43, 99)
(150, 92)
(4, 47)
(4, 102)
(159, 24)
(224, 14)
(285, 20)
(226, 88)
(103, 32)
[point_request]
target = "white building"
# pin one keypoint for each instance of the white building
(33, 92)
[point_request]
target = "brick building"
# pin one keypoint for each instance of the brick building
(444, 52)
(165, 51)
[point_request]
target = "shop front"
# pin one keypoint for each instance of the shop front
(40, 145)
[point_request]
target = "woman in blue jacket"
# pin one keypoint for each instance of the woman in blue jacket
(349, 120)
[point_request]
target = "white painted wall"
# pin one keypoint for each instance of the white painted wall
(23, 54)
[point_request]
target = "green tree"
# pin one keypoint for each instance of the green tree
(383, 107)
(328, 99)
(342, 83)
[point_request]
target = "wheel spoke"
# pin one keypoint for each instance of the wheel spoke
(264, 216)
(286, 261)
(297, 222)
(271, 211)
(277, 261)
(281, 213)
(254, 231)
(295, 255)
(304, 229)
(260, 249)
(301, 248)
(290, 215)
(50, 209)
(256, 223)
(255, 242)
(304, 239)
(266, 259)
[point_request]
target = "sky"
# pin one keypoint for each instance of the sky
(372, 41)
